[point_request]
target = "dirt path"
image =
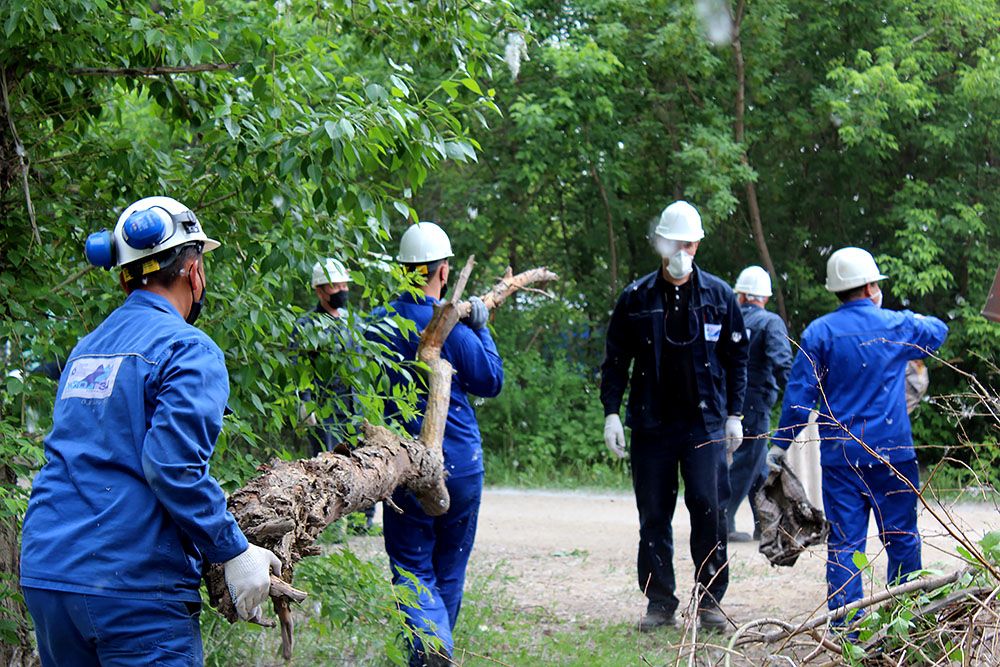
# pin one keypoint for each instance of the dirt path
(573, 554)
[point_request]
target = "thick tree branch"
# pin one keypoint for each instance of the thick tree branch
(291, 502)
(21, 156)
(152, 71)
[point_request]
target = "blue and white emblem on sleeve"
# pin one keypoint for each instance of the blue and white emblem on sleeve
(92, 377)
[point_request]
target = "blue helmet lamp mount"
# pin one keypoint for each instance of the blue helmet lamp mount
(100, 249)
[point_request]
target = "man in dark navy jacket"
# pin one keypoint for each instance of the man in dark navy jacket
(767, 369)
(124, 513)
(677, 340)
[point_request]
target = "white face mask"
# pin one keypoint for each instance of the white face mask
(877, 299)
(680, 263)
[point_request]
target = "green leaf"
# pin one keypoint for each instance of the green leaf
(471, 84)
(346, 128)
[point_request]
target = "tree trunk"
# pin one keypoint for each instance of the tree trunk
(291, 502)
(751, 187)
(21, 652)
(609, 221)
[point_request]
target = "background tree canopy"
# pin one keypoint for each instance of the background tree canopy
(536, 132)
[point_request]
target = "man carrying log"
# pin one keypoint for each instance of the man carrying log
(124, 512)
(436, 549)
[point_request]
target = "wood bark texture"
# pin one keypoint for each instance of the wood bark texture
(289, 504)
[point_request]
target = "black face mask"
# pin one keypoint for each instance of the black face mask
(338, 300)
(444, 289)
(196, 306)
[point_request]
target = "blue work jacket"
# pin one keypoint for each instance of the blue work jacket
(124, 505)
(770, 357)
(635, 341)
(478, 371)
(851, 366)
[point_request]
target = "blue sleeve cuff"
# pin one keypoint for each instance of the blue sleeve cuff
(230, 544)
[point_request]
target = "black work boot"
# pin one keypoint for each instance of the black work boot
(656, 617)
(711, 618)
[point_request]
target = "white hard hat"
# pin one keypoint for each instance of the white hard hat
(680, 222)
(754, 281)
(848, 268)
(422, 243)
(147, 227)
(329, 271)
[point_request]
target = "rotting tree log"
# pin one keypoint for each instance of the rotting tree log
(289, 504)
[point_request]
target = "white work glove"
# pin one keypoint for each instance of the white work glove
(734, 435)
(614, 435)
(774, 457)
(248, 577)
(307, 418)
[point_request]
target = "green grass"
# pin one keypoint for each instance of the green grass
(502, 470)
(350, 619)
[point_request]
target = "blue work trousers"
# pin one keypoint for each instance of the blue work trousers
(436, 551)
(77, 630)
(748, 470)
(849, 495)
(655, 459)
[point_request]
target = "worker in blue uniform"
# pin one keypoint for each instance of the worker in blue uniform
(851, 367)
(435, 550)
(770, 358)
(124, 513)
(677, 341)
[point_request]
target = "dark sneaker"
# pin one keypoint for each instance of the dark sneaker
(736, 536)
(656, 618)
(436, 659)
(712, 619)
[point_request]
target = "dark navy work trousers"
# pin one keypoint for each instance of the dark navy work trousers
(748, 470)
(77, 630)
(435, 550)
(700, 457)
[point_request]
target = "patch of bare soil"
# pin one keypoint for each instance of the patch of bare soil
(573, 555)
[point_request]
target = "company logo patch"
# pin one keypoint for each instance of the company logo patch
(712, 332)
(92, 377)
